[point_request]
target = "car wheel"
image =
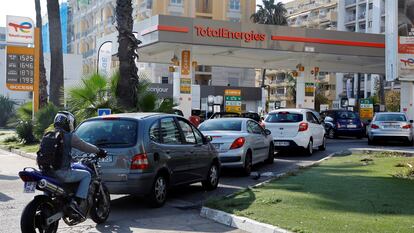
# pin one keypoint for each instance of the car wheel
(213, 176)
(323, 146)
(248, 164)
(309, 149)
(271, 155)
(331, 133)
(371, 141)
(409, 142)
(159, 191)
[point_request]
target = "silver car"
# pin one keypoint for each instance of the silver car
(150, 152)
(390, 126)
(241, 142)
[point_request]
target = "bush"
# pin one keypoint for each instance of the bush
(24, 131)
(10, 139)
(43, 118)
(7, 110)
(24, 112)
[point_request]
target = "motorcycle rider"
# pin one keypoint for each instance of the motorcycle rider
(65, 122)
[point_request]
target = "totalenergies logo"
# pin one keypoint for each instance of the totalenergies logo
(408, 62)
(23, 27)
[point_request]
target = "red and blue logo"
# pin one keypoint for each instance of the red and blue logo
(408, 62)
(23, 27)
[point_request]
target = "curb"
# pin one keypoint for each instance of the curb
(248, 224)
(19, 152)
(242, 223)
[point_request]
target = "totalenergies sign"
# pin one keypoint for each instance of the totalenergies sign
(228, 34)
(19, 30)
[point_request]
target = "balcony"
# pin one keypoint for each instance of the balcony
(350, 18)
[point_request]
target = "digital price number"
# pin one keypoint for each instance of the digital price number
(20, 68)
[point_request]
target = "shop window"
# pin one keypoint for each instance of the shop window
(164, 80)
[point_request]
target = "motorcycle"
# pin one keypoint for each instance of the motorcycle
(44, 212)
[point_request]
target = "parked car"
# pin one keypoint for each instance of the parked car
(296, 129)
(150, 152)
(390, 126)
(343, 123)
(224, 115)
(241, 142)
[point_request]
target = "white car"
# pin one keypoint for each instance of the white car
(296, 129)
(240, 142)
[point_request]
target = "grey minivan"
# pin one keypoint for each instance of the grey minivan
(150, 152)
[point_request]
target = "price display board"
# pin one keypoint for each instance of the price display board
(20, 68)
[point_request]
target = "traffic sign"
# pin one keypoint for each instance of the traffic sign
(104, 111)
(366, 108)
(233, 100)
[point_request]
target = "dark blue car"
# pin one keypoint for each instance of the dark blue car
(343, 123)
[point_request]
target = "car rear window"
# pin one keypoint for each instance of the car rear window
(284, 117)
(221, 125)
(109, 133)
(346, 115)
(390, 117)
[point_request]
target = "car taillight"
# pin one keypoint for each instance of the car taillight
(239, 142)
(362, 124)
(139, 161)
(303, 126)
(374, 126)
(407, 127)
(338, 125)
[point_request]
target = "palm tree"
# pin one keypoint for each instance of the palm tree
(42, 73)
(56, 55)
(270, 13)
(128, 44)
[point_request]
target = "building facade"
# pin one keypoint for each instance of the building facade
(321, 14)
(364, 16)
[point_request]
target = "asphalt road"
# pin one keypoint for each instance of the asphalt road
(180, 214)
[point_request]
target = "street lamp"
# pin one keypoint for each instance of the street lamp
(99, 50)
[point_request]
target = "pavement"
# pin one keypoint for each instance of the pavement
(182, 210)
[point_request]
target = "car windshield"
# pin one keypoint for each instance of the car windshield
(221, 125)
(286, 117)
(390, 117)
(346, 115)
(109, 133)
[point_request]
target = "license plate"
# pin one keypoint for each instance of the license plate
(29, 187)
(217, 146)
(352, 126)
(391, 126)
(107, 159)
(282, 143)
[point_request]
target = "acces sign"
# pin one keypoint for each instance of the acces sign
(228, 34)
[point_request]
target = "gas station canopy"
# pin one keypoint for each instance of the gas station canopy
(247, 45)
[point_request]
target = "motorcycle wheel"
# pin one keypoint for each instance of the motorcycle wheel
(34, 216)
(100, 211)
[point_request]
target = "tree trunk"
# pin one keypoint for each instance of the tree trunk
(381, 90)
(127, 87)
(56, 55)
(42, 70)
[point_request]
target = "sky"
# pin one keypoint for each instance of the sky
(19, 8)
(27, 8)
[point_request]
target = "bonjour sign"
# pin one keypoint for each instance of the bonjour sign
(229, 34)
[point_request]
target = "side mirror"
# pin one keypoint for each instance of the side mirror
(328, 119)
(208, 139)
(267, 132)
(369, 121)
(411, 121)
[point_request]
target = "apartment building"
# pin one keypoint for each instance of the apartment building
(321, 14)
(364, 16)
